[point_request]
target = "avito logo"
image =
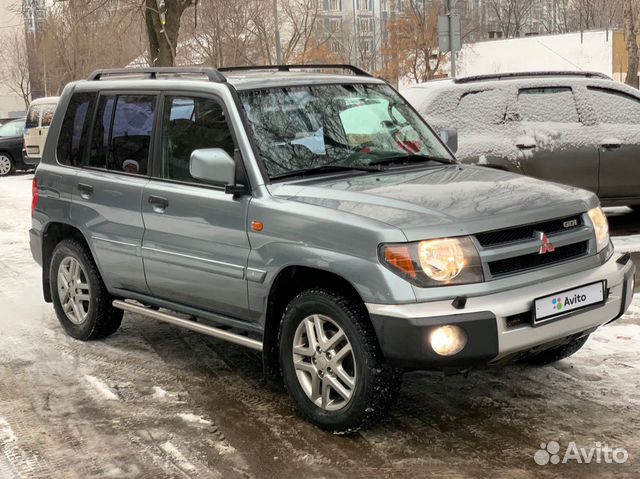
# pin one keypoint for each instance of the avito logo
(559, 304)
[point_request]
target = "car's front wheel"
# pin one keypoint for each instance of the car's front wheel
(331, 362)
(80, 298)
(6, 164)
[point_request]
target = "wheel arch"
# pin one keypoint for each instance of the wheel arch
(53, 233)
(289, 282)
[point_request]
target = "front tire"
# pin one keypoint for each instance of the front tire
(6, 164)
(331, 363)
(80, 298)
(552, 355)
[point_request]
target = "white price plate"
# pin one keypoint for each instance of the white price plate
(570, 300)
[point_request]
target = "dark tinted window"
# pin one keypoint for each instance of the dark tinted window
(101, 131)
(122, 133)
(554, 104)
(75, 129)
(190, 124)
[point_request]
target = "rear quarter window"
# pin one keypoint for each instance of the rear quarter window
(482, 107)
(74, 133)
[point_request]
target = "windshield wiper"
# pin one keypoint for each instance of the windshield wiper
(326, 169)
(410, 158)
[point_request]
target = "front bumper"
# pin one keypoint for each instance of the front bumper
(498, 326)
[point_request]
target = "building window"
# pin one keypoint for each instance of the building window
(336, 47)
(365, 46)
(365, 25)
(363, 5)
(335, 25)
(334, 5)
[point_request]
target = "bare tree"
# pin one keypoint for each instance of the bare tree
(631, 32)
(511, 15)
(412, 51)
(162, 20)
(15, 64)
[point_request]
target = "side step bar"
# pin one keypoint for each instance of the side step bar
(191, 325)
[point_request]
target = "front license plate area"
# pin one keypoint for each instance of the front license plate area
(553, 305)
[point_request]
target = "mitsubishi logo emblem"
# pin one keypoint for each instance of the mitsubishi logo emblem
(546, 246)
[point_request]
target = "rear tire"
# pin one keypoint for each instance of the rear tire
(80, 298)
(552, 355)
(6, 164)
(343, 384)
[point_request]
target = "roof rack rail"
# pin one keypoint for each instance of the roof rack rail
(212, 74)
(514, 75)
(285, 68)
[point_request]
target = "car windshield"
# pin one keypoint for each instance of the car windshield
(13, 128)
(317, 127)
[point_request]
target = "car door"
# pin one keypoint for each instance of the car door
(553, 143)
(195, 245)
(107, 195)
(618, 130)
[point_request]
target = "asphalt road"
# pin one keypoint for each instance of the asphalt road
(154, 401)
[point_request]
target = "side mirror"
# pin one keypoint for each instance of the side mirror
(450, 137)
(213, 165)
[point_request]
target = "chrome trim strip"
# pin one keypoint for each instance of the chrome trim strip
(256, 275)
(190, 325)
(121, 243)
(195, 258)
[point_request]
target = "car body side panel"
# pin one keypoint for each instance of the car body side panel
(111, 220)
(298, 234)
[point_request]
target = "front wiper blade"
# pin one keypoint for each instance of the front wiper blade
(410, 158)
(326, 169)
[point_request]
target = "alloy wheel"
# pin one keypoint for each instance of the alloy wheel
(5, 165)
(74, 290)
(324, 362)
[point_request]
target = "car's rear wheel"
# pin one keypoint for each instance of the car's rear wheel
(555, 354)
(6, 164)
(80, 298)
(331, 362)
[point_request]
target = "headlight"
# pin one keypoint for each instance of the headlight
(436, 262)
(601, 227)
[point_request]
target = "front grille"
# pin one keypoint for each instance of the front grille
(531, 261)
(527, 232)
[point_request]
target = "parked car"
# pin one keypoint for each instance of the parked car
(11, 147)
(316, 218)
(576, 128)
(39, 117)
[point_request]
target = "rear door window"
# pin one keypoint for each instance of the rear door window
(122, 133)
(75, 129)
(547, 105)
(615, 107)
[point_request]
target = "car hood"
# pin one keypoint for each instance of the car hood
(444, 200)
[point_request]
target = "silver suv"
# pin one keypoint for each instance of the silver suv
(316, 218)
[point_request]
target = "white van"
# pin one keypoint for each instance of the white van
(39, 119)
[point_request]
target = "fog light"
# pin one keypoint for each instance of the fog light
(448, 340)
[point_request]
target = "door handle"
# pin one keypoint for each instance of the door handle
(85, 190)
(159, 203)
(526, 146)
(609, 145)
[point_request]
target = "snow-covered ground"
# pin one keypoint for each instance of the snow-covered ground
(159, 402)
